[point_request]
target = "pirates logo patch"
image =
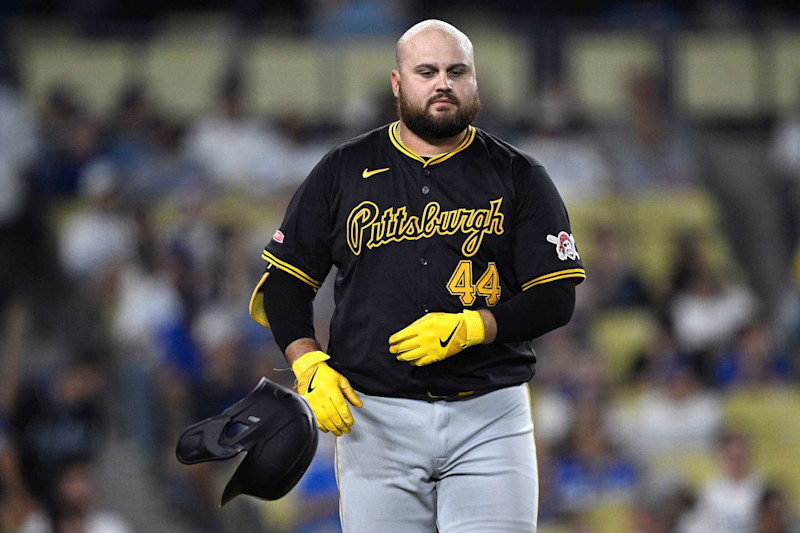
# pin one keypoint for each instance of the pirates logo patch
(565, 245)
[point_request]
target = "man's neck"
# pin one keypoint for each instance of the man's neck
(428, 147)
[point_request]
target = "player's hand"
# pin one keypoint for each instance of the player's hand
(437, 336)
(326, 390)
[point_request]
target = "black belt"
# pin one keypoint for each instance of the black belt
(450, 397)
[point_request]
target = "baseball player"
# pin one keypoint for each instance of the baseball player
(453, 251)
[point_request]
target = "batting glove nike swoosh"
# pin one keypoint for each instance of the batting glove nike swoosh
(437, 336)
(326, 390)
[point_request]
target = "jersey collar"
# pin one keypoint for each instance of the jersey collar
(435, 159)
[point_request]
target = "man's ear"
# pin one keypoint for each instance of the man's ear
(396, 83)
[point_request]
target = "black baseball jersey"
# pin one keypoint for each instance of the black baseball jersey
(469, 228)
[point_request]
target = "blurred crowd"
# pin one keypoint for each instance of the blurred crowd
(131, 243)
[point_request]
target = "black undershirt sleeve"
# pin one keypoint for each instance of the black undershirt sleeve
(534, 312)
(288, 304)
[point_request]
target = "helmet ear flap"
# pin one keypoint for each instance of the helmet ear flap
(200, 442)
(274, 425)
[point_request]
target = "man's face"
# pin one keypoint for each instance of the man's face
(435, 86)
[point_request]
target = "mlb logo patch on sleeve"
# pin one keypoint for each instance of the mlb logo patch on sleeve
(278, 236)
(565, 245)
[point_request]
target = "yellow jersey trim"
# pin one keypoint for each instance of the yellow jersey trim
(289, 269)
(435, 159)
(553, 276)
(257, 304)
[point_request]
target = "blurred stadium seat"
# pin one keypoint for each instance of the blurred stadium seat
(96, 72)
(291, 77)
(600, 65)
(719, 75)
(182, 71)
(770, 417)
(694, 468)
(608, 518)
(785, 57)
(620, 336)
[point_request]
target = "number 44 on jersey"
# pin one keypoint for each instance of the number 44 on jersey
(461, 284)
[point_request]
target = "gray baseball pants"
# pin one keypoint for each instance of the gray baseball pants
(411, 466)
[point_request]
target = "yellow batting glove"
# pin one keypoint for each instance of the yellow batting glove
(437, 336)
(326, 390)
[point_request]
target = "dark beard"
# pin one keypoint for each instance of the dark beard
(439, 126)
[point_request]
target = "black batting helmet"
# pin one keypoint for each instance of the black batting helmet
(274, 425)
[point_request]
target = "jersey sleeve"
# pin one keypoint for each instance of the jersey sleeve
(301, 246)
(544, 247)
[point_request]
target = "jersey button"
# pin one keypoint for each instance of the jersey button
(423, 261)
(425, 307)
(425, 189)
(426, 173)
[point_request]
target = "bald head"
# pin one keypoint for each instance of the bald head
(412, 38)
